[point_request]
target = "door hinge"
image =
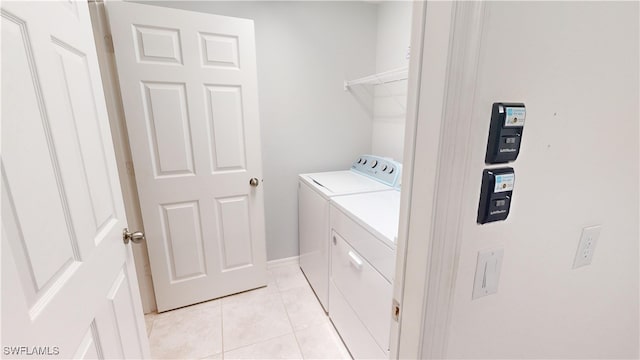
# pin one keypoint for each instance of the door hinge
(108, 41)
(395, 310)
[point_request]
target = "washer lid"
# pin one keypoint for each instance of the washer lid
(378, 212)
(346, 182)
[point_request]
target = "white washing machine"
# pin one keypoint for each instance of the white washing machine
(367, 174)
(364, 230)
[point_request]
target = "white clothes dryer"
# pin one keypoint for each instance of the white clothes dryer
(367, 174)
(364, 232)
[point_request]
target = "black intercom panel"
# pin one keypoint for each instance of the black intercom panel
(496, 194)
(505, 132)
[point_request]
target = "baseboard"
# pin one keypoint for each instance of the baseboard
(281, 262)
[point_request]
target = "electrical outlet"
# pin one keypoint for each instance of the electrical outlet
(587, 246)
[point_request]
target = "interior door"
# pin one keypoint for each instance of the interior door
(68, 284)
(189, 89)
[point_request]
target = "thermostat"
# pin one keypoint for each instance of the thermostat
(505, 132)
(496, 194)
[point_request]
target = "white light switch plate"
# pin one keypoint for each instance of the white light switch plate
(487, 273)
(587, 246)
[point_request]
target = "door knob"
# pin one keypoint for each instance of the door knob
(254, 182)
(135, 237)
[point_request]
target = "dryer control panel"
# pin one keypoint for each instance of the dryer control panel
(387, 171)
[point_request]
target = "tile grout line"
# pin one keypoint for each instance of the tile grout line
(277, 336)
(295, 336)
(222, 328)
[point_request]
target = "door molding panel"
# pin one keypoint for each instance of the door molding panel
(438, 156)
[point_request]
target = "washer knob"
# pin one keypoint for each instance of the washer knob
(374, 163)
(384, 168)
(391, 171)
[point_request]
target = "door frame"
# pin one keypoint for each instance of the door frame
(445, 43)
(117, 123)
(446, 38)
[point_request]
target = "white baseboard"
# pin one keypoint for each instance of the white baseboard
(281, 262)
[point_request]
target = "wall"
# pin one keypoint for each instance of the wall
(575, 66)
(305, 51)
(392, 43)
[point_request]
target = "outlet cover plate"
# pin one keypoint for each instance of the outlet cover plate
(586, 246)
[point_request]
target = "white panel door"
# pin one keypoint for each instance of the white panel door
(189, 89)
(68, 284)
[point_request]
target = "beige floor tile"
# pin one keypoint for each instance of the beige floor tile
(188, 333)
(252, 317)
(148, 321)
(289, 277)
(271, 282)
(283, 347)
(303, 307)
(321, 342)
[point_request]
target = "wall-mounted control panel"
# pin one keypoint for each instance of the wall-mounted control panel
(505, 132)
(496, 194)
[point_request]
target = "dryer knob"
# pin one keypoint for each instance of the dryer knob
(384, 168)
(374, 163)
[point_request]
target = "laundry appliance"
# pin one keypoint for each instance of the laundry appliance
(364, 230)
(367, 174)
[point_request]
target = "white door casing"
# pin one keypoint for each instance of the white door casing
(189, 89)
(68, 282)
(111, 87)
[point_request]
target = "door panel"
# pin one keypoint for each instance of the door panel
(122, 312)
(224, 110)
(183, 240)
(22, 98)
(168, 126)
(82, 124)
(189, 89)
(88, 348)
(62, 211)
(158, 45)
(236, 232)
(219, 51)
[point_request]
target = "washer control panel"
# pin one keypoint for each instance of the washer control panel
(385, 170)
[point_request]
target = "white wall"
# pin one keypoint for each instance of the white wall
(575, 66)
(305, 51)
(392, 43)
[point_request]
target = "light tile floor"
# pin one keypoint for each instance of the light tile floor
(281, 321)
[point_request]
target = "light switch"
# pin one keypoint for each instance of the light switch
(487, 273)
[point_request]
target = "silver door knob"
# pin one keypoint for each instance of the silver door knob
(135, 237)
(254, 182)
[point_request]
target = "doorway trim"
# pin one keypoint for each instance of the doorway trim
(448, 37)
(111, 87)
